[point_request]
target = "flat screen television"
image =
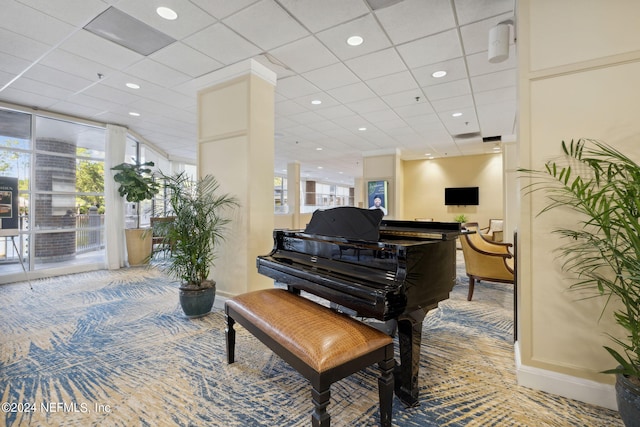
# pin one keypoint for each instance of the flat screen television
(461, 196)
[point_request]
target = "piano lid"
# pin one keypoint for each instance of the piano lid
(348, 222)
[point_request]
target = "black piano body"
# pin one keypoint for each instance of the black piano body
(398, 276)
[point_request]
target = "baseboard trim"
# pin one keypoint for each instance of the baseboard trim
(587, 391)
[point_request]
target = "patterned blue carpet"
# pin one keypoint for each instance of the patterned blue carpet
(114, 349)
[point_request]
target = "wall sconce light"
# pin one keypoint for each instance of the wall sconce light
(499, 42)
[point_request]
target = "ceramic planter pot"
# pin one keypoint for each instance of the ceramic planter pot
(628, 398)
(197, 302)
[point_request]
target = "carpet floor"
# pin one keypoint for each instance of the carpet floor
(112, 348)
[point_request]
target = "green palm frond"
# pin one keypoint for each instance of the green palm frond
(199, 225)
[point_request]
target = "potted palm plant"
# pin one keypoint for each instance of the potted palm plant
(136, 184)
(603, 249)
(200, 219)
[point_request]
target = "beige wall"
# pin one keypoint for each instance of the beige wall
(425, 181)
(579, 65)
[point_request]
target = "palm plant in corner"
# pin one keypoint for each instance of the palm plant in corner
(603, 249)
(193, 237)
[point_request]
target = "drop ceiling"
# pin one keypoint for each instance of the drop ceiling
(48, 60)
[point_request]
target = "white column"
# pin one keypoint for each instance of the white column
(293, 193)
(116, 139)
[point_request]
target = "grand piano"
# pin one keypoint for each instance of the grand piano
(392, 271)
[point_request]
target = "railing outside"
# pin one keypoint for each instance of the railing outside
(89, 237)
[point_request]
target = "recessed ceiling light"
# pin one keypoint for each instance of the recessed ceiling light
(456, 114)
(134, 114)
(496, 148)
(427, 154)
(355, 41)
(319, 167)
(319, 149)
(166, 13)
(362, 129)
(438, 74)
(316, 102)
(133, 86)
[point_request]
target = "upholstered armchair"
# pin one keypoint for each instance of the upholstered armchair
(486, 260)
(494, 231)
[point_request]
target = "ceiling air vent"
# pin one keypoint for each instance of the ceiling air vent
(470, 135)
(127, 31)
(492, 139)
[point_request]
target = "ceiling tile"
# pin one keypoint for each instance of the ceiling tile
(475, 10)
(454, 103)
(266, 24)
(90, 46)
(456, 69)
(352, 93)
(44, 88)
(368, 105)
(398, 99)
(294, 87)
(222, 8)
(222, 44)
(190, 17)
(398, 82)
(366, 27)
(494, 80)
(57, 78)
(376, 64)
(333, 76)
(325, 99)
(412, 19)
(185, 59)
(448, 90)
(319, 15)
(74, 12)
(76, 65)
(155, 72)
(431, 50)
(417, 109)
(12, 64)
(304, 55)
(21, 47)
(335, 112)
(42, 27)
(289, 108)
(110, 94)
(75, 109)
(479, 64)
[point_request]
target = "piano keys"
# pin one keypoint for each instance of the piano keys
(392, 271)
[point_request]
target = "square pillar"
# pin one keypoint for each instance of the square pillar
(236, 145)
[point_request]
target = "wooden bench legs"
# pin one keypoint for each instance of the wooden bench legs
(329, 347)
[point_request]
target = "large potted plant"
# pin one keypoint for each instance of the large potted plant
(136, 184)
(603, 249)
(192, 238)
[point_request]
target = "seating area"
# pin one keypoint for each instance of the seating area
(495, 230)
(485, 259)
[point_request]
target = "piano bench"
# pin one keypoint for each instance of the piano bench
(322, 345)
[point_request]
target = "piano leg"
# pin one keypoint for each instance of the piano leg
(410, 339)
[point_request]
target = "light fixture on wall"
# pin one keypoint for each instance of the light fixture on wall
(499, 41)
